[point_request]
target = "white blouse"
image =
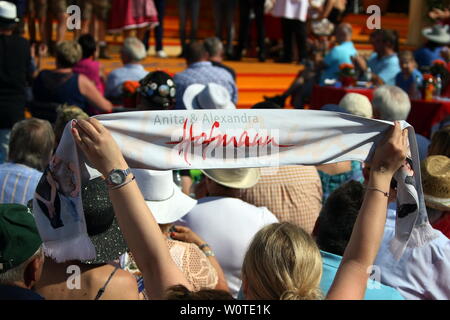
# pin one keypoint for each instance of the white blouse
(291, 9)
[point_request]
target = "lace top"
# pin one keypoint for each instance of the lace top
(194, 264)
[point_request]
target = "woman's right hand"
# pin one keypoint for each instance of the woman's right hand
(391, 152)
(186, 235)
(98, 146)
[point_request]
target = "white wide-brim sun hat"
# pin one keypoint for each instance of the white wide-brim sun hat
(210, 96)
(437, 33)
(239, 178)
(164, 198)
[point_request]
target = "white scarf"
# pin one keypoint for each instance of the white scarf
(165, 140)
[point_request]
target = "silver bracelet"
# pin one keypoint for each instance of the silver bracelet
(123, 184)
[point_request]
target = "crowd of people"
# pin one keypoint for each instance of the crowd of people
(298, 233)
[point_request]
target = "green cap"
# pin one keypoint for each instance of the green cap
(19, 237)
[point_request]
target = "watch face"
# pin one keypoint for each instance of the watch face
(117, 177)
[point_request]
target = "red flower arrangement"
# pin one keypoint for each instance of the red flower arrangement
(347, 74)
(129, 89)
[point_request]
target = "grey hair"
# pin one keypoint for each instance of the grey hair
(346, 28)
(16, 274)
(134, 49)
(213, 46)
(392, 103)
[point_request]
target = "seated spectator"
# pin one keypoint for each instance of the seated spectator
(357, 105)
(227, 223)
(422, 273)
(201, 71)
(98, 278)
(437, 37)
(436, 189)
(333, 231)
(66, 114)
(391, 103)
(21, 255)
(328, 68)
(87, 65)
(409, 79)
(440, 142)
(30, 150)
(214, 47)
(267, 255)
(63, 86)
(132, 54)
(192, 255)
(334, 175)
(157, 91)
(209, 96)
(384, 62)
(292, 193)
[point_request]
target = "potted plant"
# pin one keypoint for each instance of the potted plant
(347, 74)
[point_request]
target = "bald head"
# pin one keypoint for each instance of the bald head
(344, 32)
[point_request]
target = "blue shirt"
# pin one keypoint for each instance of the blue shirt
(374, 291)
(406, 84)
(17, 293)
(422, 272)
(425, 56)
(386, 68)
(18, 183)
(203, 73)
(338, 55)
(129, 72)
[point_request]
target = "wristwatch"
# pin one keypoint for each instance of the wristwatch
(117, 177)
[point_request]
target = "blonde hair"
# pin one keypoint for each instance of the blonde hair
(68, 53)
(65, 114)
(283, 262)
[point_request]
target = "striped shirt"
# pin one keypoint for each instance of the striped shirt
(18, 183)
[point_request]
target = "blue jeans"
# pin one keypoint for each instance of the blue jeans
(4, 144)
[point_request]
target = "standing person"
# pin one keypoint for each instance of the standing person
(159, 30)
(37, 9)
(334, 11)
(15, 73)
(223, 17)
(195, 9)
(129, 15)
(56, 11)
(95, 17)
(245, 8)
(293, 14)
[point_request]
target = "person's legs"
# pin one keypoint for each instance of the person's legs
(218, 11)
(259, 17)
(101, 13)
(244, 26)
(286, 25)
(159, 31)
(230, 8)
(301, 38)
(4, 144)
(182, 6)
(58, 9)
(195, 11)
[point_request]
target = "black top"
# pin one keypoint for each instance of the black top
(15, 74)
(221, 65)
(17, 293)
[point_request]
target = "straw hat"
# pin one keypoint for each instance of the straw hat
(241, 178)
(436, 182)
(163, 197)
(437, 33)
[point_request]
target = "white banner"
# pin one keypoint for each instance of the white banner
(204, 139)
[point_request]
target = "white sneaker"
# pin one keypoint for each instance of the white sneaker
(161, 54)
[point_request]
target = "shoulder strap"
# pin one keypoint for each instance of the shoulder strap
(102, 289)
